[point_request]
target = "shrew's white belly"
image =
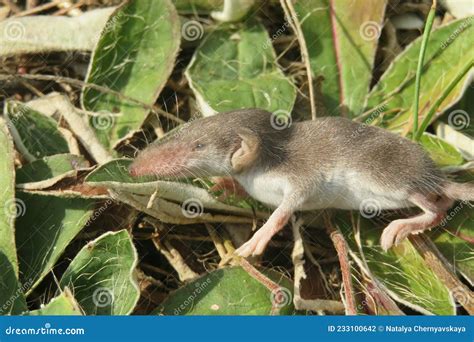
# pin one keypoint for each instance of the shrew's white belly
(343, 190)
(268, 189)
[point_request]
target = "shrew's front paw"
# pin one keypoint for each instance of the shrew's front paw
(229, 188)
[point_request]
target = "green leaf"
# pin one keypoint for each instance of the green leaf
(238, 10)
(62, 305)
(454, 238)
(235, 67)
(401, 270)
(45, 227)
(194, 201)
(443, 153)
(197, 6)
(45, 172)
(462, 142)
(114, 175)
(448, 45)
(101, 276)
(135, 56)
(229, 291)
(460, 117)
(341, 39)
(35, 134)
(116, 171)
(12, 300)
(45, 33)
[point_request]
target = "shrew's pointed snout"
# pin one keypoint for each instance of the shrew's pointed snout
(133, 170)
(162, 161)
(138, 168)
(144, 164)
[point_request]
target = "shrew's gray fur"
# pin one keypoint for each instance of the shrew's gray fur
(326, 163)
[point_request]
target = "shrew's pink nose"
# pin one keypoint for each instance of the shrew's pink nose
(162, 162)
(133, 170)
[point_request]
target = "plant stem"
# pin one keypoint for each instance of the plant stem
(295, 23)
(444, 95)
(340, 245)
(79, 83)
(421, 57)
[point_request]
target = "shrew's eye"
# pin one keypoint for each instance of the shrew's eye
(198, 146)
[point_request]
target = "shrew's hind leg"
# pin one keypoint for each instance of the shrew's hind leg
(434, 210)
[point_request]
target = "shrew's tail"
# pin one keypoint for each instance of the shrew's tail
(459, 191)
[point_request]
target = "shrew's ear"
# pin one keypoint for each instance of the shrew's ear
(248, 150)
